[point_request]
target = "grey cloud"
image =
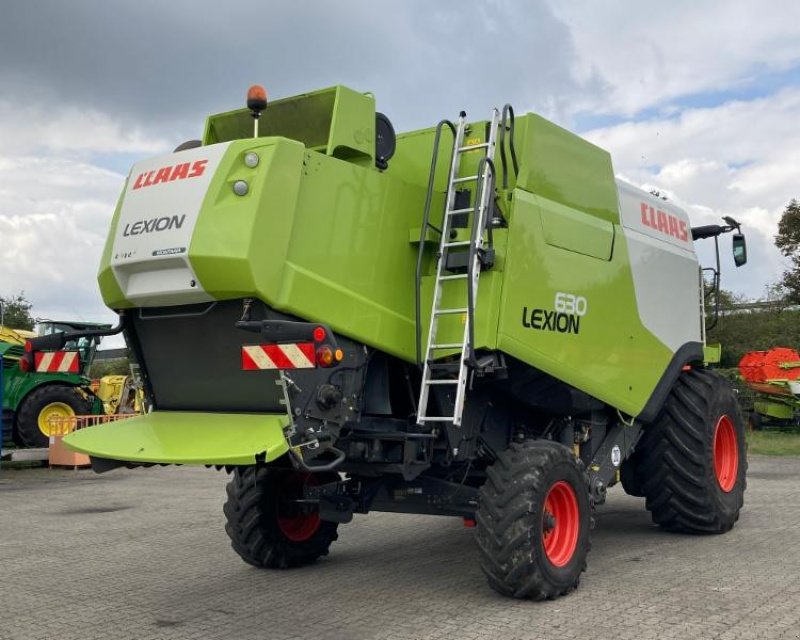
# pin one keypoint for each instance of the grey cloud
(166, 65)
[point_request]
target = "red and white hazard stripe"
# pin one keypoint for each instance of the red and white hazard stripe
(298, 355)
(57, 362)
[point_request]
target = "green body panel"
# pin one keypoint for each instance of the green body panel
(349, 262)
(575, 230)
(236, 249)
(566, 169)
(712, 353)
(109, 287)
(185, 438)
(612, 356)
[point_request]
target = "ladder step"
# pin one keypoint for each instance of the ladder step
(469, 147)
(464, 179)
(454, 345)
(444, 312)
(446, 367)
(455, 212)
(441, 382)
(437, 419)
(460, 243)
(458, 276)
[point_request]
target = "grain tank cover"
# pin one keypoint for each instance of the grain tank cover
(338, 122)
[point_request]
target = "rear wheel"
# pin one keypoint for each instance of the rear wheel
(533, 521)
(694, 458)
(35, 415)
(266, 524)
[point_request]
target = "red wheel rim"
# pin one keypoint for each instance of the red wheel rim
(296, 525)
(560, 523)
(726, 453)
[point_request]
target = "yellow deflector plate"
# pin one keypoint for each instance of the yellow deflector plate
(177, 437)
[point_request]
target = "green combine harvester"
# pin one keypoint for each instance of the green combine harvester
(53, 386)
(473, 320)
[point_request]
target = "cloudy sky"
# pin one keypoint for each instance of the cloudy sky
(700, 100)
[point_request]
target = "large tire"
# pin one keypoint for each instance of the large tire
(268, 529)
(694, 457)
(533, 521)
(50, 400)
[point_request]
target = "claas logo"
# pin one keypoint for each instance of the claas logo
(170, 173)
(664, 222)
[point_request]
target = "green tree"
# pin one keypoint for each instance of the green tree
(754, 325)
(788, 241)
(15, 312)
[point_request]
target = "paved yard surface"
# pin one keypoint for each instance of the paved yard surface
(142, 554)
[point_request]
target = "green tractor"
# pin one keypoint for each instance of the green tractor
(473, 320)
(50, 385)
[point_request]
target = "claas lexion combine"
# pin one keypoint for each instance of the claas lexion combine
(474, 320)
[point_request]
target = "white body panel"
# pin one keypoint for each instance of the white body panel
(150, 254)
(664, 266)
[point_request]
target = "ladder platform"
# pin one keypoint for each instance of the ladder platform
(447, 367)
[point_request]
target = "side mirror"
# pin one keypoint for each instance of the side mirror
(739, 249)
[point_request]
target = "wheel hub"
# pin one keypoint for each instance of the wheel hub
(560, 524)
(49, 418)
(725, 454)
(296, 521)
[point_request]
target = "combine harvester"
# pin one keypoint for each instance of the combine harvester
(49, 386)
(474, 320)
(775, 377)
(42, 394)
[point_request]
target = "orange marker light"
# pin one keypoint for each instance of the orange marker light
(256, 99)
(339, 355)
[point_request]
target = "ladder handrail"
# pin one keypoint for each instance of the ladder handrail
(508, 116)
(426, 225)
(478, 227)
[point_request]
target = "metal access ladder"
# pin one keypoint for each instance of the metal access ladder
(483, 199)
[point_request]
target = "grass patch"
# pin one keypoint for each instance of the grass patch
(774, 443)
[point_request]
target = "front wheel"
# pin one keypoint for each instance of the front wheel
(267, 525)
(694, 457)
(533, 521)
